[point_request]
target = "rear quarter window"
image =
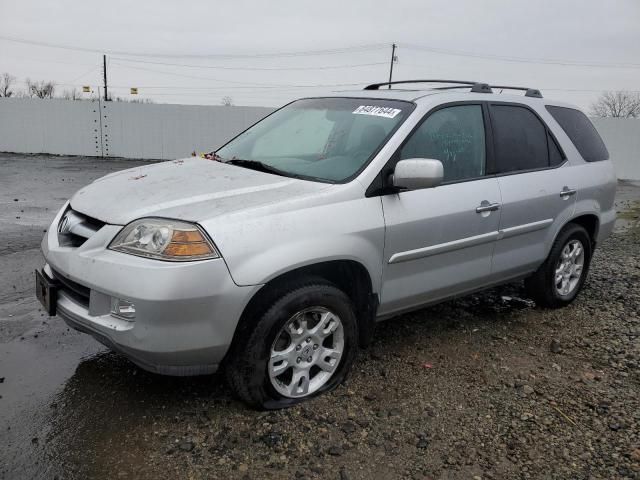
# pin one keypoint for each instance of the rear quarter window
(581, 132)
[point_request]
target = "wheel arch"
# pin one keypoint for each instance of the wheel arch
(589, 221)
(350, 276)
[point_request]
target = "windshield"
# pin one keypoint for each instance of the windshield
(326, 139)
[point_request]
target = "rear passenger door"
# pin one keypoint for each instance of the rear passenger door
(535, 185)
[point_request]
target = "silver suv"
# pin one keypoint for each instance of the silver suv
(275, 256)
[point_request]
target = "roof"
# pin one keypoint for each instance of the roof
(430, 94)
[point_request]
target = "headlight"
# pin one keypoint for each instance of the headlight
(164, 239)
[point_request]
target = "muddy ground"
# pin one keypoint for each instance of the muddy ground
(487, 387)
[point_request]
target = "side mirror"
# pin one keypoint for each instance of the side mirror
(417, 173)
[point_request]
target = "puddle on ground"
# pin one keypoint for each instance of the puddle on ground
(627, 206)
(628, 217)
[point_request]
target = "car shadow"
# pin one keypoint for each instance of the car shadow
(108, 382)
(109, 401)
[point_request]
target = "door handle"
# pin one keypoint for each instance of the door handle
(567, 192)
(487, 207)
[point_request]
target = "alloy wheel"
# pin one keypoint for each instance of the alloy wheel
(306, 352)
(569, 267)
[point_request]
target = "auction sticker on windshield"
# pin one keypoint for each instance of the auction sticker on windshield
(386, 112)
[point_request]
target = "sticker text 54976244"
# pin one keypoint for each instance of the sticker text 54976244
(386, 112)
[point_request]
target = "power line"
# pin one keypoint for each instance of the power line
(330, 51)
(277, 88)
(95, 67)
(504, 58)
(41, 60)
(197, 77)
(245, 84)
(233, 87)
(218, 67)
(334, 51)
(586, 90)
(285, 89)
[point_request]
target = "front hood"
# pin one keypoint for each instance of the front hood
(192, 189)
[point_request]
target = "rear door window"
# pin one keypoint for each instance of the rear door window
(581, 132)
(520, 139)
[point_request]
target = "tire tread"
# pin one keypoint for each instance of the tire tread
(240, 370)
(539, 287)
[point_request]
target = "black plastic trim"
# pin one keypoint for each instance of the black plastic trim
(481, 88)
(529, 92)
(77, 291)
(376, 86)
(476, 87)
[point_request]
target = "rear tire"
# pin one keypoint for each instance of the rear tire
(560, 278)
(302, 345)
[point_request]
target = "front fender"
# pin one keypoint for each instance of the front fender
(261, 248)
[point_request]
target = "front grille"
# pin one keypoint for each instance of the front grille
(78, 292)
(75, 228)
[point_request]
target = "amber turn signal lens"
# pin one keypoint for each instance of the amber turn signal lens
(187, 243)
(187, 249)
(187, 236)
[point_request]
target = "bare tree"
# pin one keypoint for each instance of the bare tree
(227, 101)
(72, 94)
(6, 81)
(40, 89)
(131, 100)
(619, 104)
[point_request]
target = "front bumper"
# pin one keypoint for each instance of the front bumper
(186, 313)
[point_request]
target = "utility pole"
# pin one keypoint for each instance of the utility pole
(393, 59)
(104, 71)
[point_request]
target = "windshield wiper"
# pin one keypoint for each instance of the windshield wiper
(259, 166)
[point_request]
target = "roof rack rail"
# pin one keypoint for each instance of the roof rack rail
(480, 86)
(476, 87)
(530, 92)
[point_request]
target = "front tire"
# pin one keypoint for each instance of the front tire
(560, 278)
(302, 345)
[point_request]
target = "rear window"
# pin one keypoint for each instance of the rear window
(581, 132)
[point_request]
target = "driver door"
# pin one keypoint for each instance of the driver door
(439, 241)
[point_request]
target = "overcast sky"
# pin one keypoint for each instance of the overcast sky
(502, 42)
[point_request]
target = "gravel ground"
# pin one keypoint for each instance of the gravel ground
(487, 387)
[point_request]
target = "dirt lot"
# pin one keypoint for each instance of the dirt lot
(485, 387)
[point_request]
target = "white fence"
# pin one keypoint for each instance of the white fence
(116, 129)
(55, 126)
(622, 137)
(150, 131)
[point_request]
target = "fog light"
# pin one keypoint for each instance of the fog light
(123, 309)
